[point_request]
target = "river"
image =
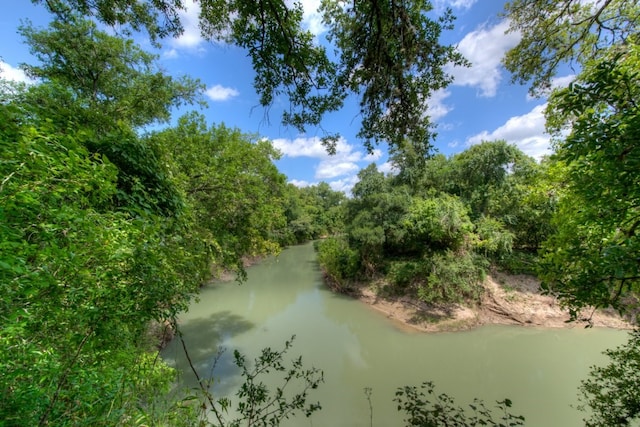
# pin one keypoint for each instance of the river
(357, 347)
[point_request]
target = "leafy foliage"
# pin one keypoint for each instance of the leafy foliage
(612, 393)
(439, 222)
(493, 237)
(231, 184)
(80, 282)
(341, 264)
(389, 53)
(592, 260)
(117, 82)
(557, 32)
(99, 233)
(257, 405)
(285, 57)
(312, 212)
(424, 408)
(453, 277)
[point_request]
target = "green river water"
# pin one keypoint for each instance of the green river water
(357, 347)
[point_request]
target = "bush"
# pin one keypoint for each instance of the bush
(520, 262)
(339, 262)
(425, 408)
(440, 222)
(403, 274)
(454, 277)
(493, 237)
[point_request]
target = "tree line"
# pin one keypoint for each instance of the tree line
(105, 227)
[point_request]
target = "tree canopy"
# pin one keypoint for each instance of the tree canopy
(387, 53)
(560, 32)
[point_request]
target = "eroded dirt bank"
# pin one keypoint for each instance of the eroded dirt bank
(507, 300)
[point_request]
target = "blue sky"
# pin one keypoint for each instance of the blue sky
(481, 104)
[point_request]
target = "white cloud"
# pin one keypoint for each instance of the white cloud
(300, 183)
(332, 169)
(556, 83)
(484, 48)
(527, 132)
(170, 54)
(436, 108)
(191, 38)
(221, 93)
(455, 4)
(8, 72)
(345, 185)
(301, 147)
(388, 168)
(311, 18)
(344, 164)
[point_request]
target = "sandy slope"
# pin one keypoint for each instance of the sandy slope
(508, 299)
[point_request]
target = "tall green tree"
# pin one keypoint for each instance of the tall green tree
(593, 259)
(565, 31)
(110, 79)
(110, 87)
(388, 53)
(80, 282)
(231, 184)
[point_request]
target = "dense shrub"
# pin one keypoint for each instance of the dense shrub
(493, 237)
(453, 277)
(339, 261)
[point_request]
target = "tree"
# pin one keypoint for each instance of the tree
(593, 258)
(373, 218)
(482, 169)
(313, 212)
(231, 183)
(612, 393)
(563, 31)
(81, 280)
(108, 76)
(103, 231)
(388, 52)
(107, 86)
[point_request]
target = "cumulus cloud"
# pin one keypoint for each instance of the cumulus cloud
(190, 39)
(170, 54)
(311, 18)
(344, 164)
(388, 168)
(527, 132)
(455, 4)
(221, 93)
(484, 48)
(345, 185)
(8, 72)
(556, 83)
(332, 169)
(300, 183)
(436, 108)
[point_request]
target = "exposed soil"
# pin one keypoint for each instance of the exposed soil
(507, 300)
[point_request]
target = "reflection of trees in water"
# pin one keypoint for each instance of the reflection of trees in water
(271, 287)
(203, 338)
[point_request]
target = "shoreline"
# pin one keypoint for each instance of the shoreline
(507, 300)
